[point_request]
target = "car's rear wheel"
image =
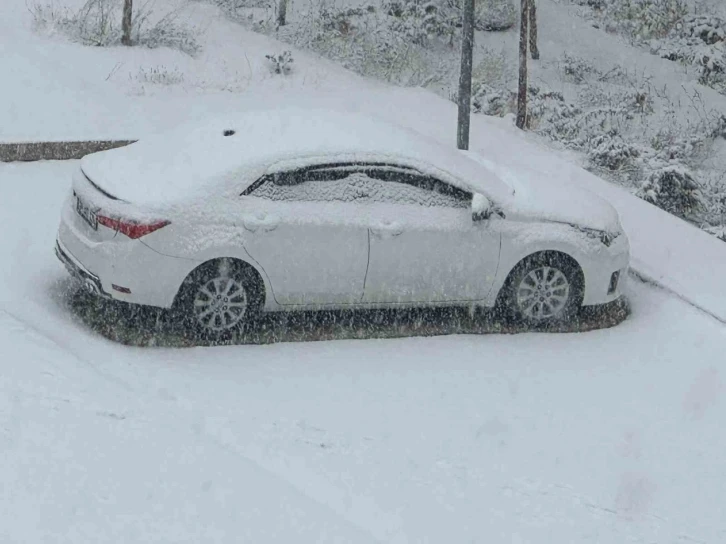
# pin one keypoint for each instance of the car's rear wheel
(543, 289)
(220, 298)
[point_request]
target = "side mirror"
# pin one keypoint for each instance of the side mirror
(481, 208)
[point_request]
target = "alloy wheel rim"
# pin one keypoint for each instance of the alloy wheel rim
(543, 293)
(220, 304)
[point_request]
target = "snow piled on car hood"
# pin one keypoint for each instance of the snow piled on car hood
(546, 199)
(197, 160)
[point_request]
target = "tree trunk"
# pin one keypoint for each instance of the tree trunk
(126, 23)
(282, 13)
(467, 54)
(522, 88)
(533, 49)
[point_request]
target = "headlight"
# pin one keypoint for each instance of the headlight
(605, 237)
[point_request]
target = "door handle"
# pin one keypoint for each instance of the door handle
(261, 222)
(387, 229)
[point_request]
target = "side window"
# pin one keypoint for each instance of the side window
(359, 183)
(406, 187)
(314, 186)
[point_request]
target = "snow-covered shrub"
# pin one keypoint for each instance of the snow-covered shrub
(491, 101)
(594, 4)
(495, 15)
(420, 20)
(366, 41)
(671, 145)
(166, 32)
(159, 75)
(98, 23)
(611, 152)
(644, 20)
(491, 81)
(699, 41)
(280, 63)
(576, 69)
(674, 189)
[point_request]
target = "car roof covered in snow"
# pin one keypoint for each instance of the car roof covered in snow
(226, 154)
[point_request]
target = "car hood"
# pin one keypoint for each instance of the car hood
(536, 198)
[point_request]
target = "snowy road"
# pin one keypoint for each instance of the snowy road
(606, 437)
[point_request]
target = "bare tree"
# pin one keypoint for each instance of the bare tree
(522, 87)
(467, 54)
(126, 23)
(533, 49)
(282, 13)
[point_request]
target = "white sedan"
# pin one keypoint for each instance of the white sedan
(299, 209)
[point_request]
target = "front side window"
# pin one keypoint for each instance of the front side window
(361, 184)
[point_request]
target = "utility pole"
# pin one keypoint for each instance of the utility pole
(126, 23)
(282, 13)
(533, 48)
(467, 56)
(522, 87)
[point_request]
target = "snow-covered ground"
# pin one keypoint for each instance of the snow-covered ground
(606, 437)
(610, 436)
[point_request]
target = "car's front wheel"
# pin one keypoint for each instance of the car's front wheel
(220, 298)
(544, 289)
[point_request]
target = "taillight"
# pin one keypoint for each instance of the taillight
(132, 229)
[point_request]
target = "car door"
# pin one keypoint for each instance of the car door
(424, 245)
(305, 236)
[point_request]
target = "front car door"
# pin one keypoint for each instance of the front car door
(301, 227)
(424, 246)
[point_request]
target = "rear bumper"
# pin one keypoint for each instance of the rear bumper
(90, 281)
(119, 268)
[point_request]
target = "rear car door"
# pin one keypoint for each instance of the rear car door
(424, 246)
(302, 228)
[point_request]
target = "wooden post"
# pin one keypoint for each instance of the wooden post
(522, 87)
(467, 59)
(533, 48)
(126, 23)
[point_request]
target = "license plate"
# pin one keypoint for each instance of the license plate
(86, 213)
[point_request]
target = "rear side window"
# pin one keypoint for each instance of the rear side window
(361, 185)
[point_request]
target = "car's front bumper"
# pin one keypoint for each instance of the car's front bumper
(600, 287)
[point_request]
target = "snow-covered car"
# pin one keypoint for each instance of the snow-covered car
(292, 209)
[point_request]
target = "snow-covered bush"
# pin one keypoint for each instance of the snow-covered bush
(420, 20)
(491, 101)
(368, 42)
(643, 20)
(611, 152)
(491, 83)
(550, 114)
(159, 75)
(98, 23)
(495, 15)
(674, 189)
(280, 63)
(576, 69)
(699, 41)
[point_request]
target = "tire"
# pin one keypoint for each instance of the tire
(544, 289)
(220, 298)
